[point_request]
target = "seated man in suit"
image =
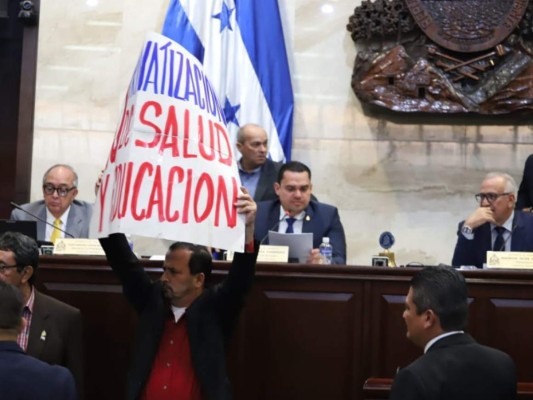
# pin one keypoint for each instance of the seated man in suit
(294, 189)
(257, 172)
(59, 207)
(494, 225)
(53, 330)
(22, 376)
(453, 366)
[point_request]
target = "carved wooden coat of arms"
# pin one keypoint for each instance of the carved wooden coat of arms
(444, 56)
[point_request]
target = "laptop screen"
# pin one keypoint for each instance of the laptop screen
(28, 228)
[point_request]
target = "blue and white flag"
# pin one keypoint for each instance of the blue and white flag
(241, 46)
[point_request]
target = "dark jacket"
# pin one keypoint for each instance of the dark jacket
(265, 186)
(210, 318)
(56, 335)
(474, 252)
(458, 368)
(321, 220)
(25, 377)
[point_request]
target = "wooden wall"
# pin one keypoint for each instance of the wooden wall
(18, 52)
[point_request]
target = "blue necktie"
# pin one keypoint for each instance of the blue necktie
(499, 243)
(290, 221)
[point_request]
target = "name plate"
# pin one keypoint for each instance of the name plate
(268, 253)
(85, 247)
(509, 259)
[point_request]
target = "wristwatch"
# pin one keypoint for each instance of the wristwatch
(466, 230)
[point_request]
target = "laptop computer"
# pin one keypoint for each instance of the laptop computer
(28, 228)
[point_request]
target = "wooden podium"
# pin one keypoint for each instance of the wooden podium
(307, 332)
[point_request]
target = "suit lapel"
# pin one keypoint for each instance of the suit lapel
(261, 187)
(517, 239)
(37, 339)
(309, 220)
(73, 221)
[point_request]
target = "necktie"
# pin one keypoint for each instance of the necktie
(290, 222)
(56, 233)
(499, 243)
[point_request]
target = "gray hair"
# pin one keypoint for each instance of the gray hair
(75, 183)
(510, 183)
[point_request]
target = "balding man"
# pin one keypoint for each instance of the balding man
(257, 172)
(495, 225)
(59, 206)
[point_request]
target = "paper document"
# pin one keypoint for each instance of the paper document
(300, 244)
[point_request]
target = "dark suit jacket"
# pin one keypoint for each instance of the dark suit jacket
(321, 220)
(210, 318)
(63, 343)
(474, 252)
(265, 186)
(458, 368)
(23, 377)
(525, 191)
(78, 223)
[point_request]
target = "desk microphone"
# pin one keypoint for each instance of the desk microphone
(40, 219)
(276, 225)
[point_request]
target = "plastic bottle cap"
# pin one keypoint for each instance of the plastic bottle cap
(325, 239)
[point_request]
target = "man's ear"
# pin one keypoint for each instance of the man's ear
(27, 273)
(199, 280)
(276, 187)
(430, 319)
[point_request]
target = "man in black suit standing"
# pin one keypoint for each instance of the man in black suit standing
(257, 172)
(454, 366)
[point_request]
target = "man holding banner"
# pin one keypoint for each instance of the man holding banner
(183, 326)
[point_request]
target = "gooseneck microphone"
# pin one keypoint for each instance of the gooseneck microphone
(276, 225)
(40, 219)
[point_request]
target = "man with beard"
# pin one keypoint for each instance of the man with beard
(179, 351)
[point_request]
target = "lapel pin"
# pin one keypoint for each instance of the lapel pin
(307, 218)
(43, 336)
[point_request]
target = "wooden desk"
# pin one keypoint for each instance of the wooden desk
(379, 389)
(307, 332)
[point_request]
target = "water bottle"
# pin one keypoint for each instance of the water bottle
(326, 250)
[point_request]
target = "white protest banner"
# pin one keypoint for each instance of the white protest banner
(171, 172)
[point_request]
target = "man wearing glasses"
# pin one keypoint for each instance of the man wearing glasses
(65, 215)
(495, 225)
(53, 329)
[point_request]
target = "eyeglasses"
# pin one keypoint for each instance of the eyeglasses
(4, 268)
(62, 191)
(490, 197)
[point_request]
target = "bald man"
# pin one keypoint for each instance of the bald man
(59, 206)
(257, 172)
